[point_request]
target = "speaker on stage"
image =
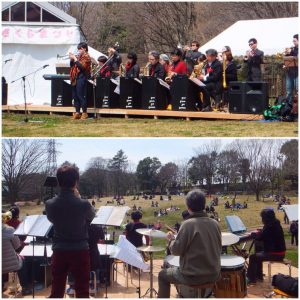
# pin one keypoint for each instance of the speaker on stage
(154, 93)
(4, 91)
(184, 94)
(105, 93)
(250, 97)
(130, 93)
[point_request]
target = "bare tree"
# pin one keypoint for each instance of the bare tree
(167, 176)
(20, 158)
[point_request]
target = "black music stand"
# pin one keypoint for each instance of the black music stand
(24, 89)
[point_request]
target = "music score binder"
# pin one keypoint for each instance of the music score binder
(110, 215)
(35, 225)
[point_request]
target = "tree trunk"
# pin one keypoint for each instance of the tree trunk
(257, 195)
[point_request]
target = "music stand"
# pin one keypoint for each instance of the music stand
(35, 226)
(24, 89)
(51, 182)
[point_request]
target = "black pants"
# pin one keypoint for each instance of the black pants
(79, 94)
(294, 237)
(255, 269)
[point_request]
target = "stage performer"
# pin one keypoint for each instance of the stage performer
(105, 69)
(165, 61)
(155, 68)
(178, 66)
(254, 59)
(212, 80)
(191, 55)
(79, 74)
(132, 69)
(71, 217)
(272, 239)
(115, 60)
(199, 246)
(292, 72)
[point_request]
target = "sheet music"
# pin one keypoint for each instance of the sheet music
(34, 225)
(38, 250)
(106, 249)
(117, 89)
(110, 215)
(92, 82)
(29, 239)
(163, 83)
(291, 211)
(128, 253)
(197, 81)
(235, 224)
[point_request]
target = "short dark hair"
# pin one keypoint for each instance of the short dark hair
(136, 215)
(83, 45)
(102, 59)
(15, 212)
(268, 216)
(195, 200)
(177, 52)
(132, 55)
(212, 52)
(67, 176)
(252, 40)
(185, 215)
(197, 43)
(295, 36)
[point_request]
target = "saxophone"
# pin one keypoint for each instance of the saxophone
(122, 70)
(224, 71)
(146, 71)
(198, 69)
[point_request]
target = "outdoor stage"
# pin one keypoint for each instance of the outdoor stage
(188, 115)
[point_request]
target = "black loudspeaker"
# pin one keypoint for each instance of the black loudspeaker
(249, 97)
(184, 94)
(130, 93)
(4, 91)
(105, 93)
(61, 93)
(154, 95)
(51, 181)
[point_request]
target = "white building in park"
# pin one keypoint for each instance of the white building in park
(273, 36)
(33, 33)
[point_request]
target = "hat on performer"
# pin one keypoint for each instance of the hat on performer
(226, 48)
(102, 58)
(136, 215)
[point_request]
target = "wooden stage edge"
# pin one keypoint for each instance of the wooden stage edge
(137, 112)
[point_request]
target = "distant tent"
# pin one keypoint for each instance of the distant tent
(33, 33)
(273, 35)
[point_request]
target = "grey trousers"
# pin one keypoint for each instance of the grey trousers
(173, 275)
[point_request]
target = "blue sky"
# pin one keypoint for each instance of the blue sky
(80, 151)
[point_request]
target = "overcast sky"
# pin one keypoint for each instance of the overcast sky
(80, 151)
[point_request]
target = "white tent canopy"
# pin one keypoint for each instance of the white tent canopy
(32, 45)
(273, 36)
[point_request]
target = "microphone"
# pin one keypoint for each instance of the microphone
(7, 60)
(45, 66)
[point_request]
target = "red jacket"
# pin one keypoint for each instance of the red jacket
(179, 67)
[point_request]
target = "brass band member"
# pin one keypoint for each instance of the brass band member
(191, 55)
(115, 60)
(105, 70)
(178, 66)
(292, 72)
(198, 243)
(132, 69)
(155, 68)
(254, 59)
(165, 61)
(79, 74)
(212, 80)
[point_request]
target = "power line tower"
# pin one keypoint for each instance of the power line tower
(51, 160)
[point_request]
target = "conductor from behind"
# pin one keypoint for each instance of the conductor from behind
(70, 216)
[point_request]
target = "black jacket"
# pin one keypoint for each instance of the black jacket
(70, 217)
(95, 234)
(132, 236)
(272, 237)
(216, 74)
(191, 58)
(231, 72)
(134, 72)
(253, 63)
(159, 71)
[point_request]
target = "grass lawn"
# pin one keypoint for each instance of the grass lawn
(249, 216)
(62, 126)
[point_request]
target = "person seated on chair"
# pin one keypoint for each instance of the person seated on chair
(178, 66)
(132, 69)
(165, 61)
(130, 230)
(212, 80)
(198, 243)
(155, 69)
(273, 245)
(105, 70)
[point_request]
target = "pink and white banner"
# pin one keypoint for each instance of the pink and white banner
(40, 35)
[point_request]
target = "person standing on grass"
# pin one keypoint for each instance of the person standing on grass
(71, 217)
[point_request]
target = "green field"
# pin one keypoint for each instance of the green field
(249, 216)
(43, 125)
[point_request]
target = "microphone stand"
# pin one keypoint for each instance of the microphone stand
(24, 89)
(94, 85)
